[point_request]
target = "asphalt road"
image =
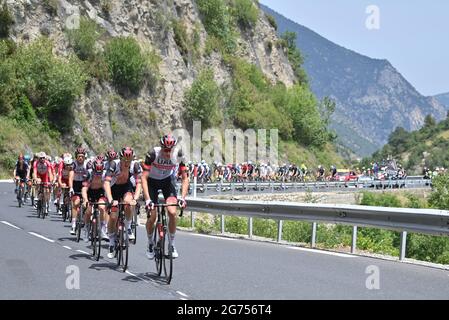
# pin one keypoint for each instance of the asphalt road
(208, 268)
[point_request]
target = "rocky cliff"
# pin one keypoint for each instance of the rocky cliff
(104, 117)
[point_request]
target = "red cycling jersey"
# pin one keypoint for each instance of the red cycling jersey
(64, 172)
(43, 170)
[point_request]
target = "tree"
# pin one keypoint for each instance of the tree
(429, 121)
(6, 21)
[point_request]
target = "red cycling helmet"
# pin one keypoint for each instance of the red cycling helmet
(98, 165)
(168, 141)
(80, 150)
(100, 157)
(111, 154)
(127, 152)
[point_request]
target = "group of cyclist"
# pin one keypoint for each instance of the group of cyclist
(246, 172)
(110, 180)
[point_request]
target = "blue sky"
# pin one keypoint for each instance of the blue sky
(413, 35)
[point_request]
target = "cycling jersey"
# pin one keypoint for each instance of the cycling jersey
(63, 172)
(81, 173)
(43, 170)
(121, 180)
(94, 183)
(161, 168)
(21, 172)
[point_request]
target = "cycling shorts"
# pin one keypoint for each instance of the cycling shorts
(167, 185)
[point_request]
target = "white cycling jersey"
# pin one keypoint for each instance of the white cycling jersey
(161, 168)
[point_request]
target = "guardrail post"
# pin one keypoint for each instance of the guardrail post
(272, 186)
(221, 187)
(250, 227)
(232, 189)
(205, 188)
(354, 239)
(222, 224)
(279, 230)
(403, 245)
(192, 214)
(313, 242)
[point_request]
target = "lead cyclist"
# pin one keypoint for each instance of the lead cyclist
(161, 167)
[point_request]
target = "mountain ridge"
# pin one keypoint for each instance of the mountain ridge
(372, 96)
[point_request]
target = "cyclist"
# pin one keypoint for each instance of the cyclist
(65, 166)
(160, 170)
(333, 172)
(93, 191)
(21, 172)
(117, 185)
(76, 178)
(43, 171)
(320, 175)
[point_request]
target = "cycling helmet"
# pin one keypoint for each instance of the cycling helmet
(80, 150)
(98, 165)
(68, 160)
(127, 152)
(111, 154)
(168, 141)
(100, 157)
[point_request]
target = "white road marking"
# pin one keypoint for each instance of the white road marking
(213, 237)
(132, 274)
(67, 247)
(10, 224)
(183, 299)
(182, 294)
(42, 237)
(81, 251)
(323, 252)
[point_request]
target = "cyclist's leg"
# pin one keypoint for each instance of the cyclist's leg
(104, 217)
(112, 222)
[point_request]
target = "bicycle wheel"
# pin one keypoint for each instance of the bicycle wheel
(98, 242)
(19, 197)
(38, 208)
(44, 209)
(134, 225)
(122, 250)
(158, 254)
(93, 236)
(125, 247)
(168, 258)
(78, 223)
(64, 212)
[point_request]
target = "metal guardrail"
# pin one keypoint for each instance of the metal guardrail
(310, 186)
(427, 221)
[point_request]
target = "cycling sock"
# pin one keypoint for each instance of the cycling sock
(73, 222)
(150, 238)
(172, 239)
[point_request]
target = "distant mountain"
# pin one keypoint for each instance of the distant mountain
(443, 99)
(372, 97)
(414, 150)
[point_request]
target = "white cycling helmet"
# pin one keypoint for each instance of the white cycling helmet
(68, 160)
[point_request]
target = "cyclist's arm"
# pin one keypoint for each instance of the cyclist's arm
(185, 180)
(149, 159)
(71, 176)
(137, 176)
(50, 174)
(35, 170)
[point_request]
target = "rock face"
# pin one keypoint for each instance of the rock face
(372, 97)
(102, 116)
(443, 99)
